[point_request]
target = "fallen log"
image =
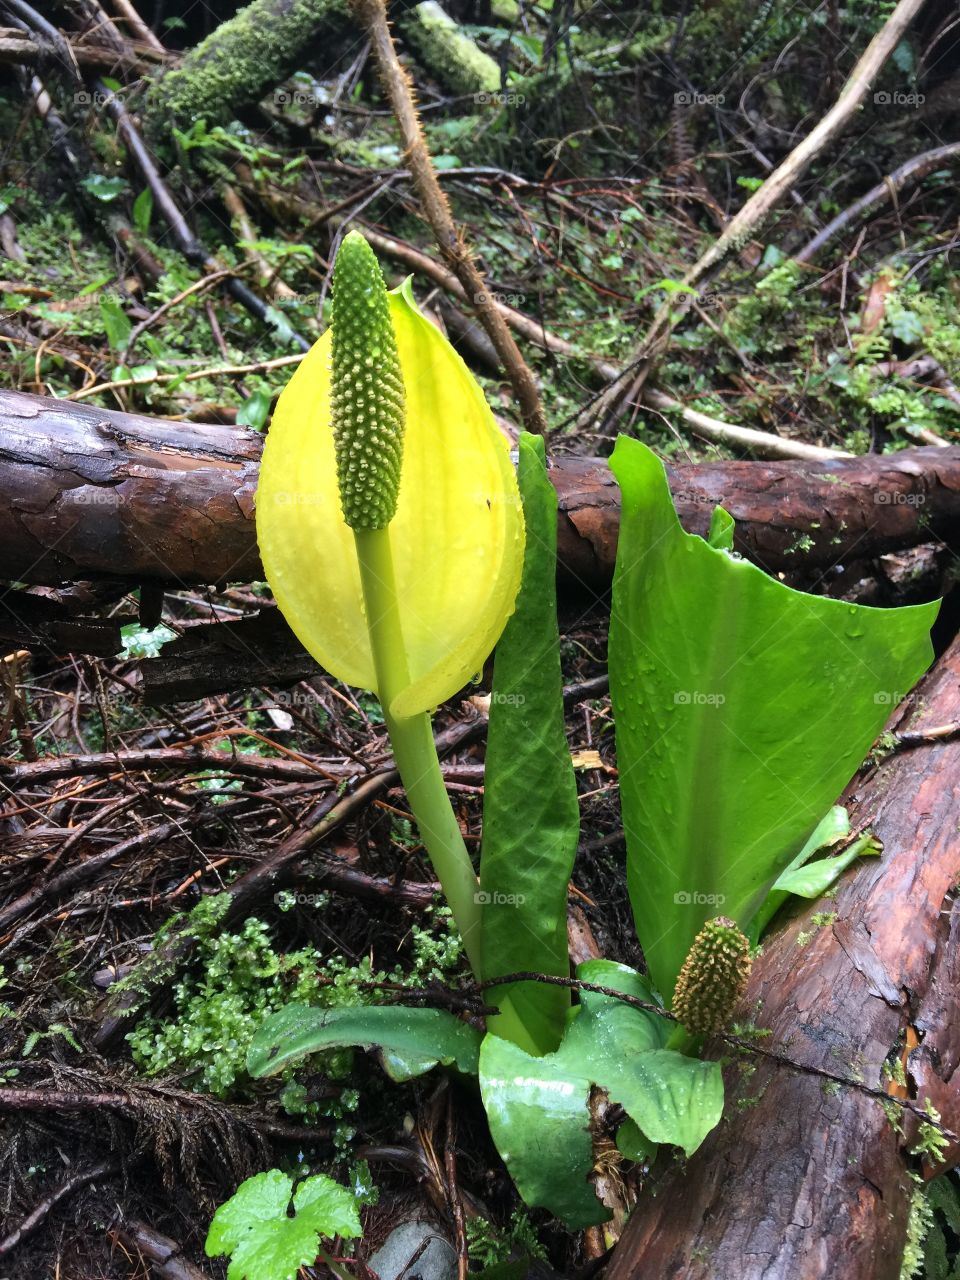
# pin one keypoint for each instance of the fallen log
(807, 1180)
(88, 493)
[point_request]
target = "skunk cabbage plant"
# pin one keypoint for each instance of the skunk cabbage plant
(393, 536)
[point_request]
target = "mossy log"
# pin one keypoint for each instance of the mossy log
(251, 53)
(88, 492)
(446, 50)
(244, 58)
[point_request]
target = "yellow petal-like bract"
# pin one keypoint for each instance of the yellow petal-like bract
(456, 538)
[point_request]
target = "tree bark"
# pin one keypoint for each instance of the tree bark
(802, 1181)
(88, 493)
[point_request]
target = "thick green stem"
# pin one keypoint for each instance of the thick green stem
(416, 757)
(413, 745)
(682, 1040)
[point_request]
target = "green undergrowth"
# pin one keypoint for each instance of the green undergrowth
(239, 977)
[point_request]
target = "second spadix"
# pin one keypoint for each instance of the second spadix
(456, 529)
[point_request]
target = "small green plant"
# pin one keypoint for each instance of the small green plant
(490, 1245)
(265, 1241)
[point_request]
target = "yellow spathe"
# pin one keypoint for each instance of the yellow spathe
(456, 539)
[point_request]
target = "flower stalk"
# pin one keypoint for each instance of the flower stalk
(411, 737)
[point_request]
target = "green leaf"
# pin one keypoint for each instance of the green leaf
(538, 1106)
(742, 708)
(143, 210)
(673, 1098)
(907, 327)
(274, 1251)
(429, 1035)
(102, 187)
(115, 323)
(95, 284)
(329, 1208)
(829, 831)
(721, 531)
(539, 1117)
(817, 877)
(531, 817)
(633, 1144)
(144, 642)
(264, 1242)
(668, 286)
(280, 325)
(903, 59)
(254, 410)
(262, 1198)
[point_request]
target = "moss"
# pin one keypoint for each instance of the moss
(241, 59)
(240, 978)
(918, 1224)
(448, 52)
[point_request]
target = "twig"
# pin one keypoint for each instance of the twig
(189, 245)
(912, 171)
(373, 15)
(232, 370)
(203, 283)
(83, 871)
(179, 759)
(37, 1215)
(238, 213)
(762, 443)
(127, 13)
(164, 1255)
(452, 1187)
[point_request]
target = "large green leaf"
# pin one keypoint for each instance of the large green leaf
(416, 1039)
(672, 1098)
(742, 708)
(531, 818)
(539, 1116)
(538, 1107)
